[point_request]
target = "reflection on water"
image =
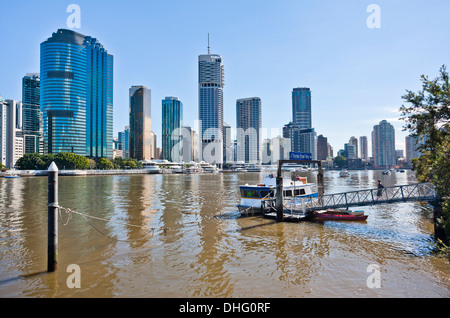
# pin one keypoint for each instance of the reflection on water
(166, 241)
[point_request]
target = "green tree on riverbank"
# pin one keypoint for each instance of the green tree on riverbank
(64, 160)
(428, 119)
(70, 161)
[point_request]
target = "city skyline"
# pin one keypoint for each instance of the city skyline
(357, 74)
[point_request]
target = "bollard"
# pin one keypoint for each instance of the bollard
(52, 251)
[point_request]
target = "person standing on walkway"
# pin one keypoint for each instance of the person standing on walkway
(380, 189)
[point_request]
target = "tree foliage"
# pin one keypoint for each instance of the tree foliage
(340, 161)
(427, 118)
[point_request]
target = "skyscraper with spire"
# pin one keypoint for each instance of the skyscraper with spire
(210, 91)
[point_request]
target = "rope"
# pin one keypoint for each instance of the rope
(86, 216)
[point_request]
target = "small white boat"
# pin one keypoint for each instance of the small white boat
(386, 172)
(344, 173)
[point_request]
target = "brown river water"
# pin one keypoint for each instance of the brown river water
(180, 248)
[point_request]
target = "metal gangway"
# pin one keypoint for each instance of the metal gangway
(391, 194)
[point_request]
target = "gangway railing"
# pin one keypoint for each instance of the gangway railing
(391, 194)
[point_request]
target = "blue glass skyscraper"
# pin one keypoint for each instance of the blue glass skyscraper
(211, 83)
(172, 121)
(32, 130)
(301, 107)
(76, 95)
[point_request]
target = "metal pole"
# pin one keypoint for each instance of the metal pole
(279, 198)
(52, 251)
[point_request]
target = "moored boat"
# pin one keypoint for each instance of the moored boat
(340, 215)
(294, 192)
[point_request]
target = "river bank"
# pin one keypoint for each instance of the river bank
(37, 173)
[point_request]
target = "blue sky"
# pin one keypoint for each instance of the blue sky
(357, 75)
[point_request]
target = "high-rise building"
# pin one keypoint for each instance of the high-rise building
(172, 121)
(350, 151)
(228, 145)
(76, 95)
(32, 118)
(141, 141)
(302, 135)
(124, 142)
(302, 140)
(363, 147)
(354, 141)
(248, 125)
(412, 144)
(211, 82)
(301, 107)
(383, 145)
(11, 136)
(322, 147)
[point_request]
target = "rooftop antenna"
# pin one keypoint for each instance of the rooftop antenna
(209, 49)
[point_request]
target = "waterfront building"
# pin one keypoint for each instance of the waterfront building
(124, 142)
(172, 121)
(11, 135)
(302, 140)
(363, 147)
(76, 95)
(383, 145)
(140, 123)
(228, 146)
(354, 141)
(412, 144)
(188, 144)
(211, 82)
(301, 107)
(248, 126)
(32, 117)
(322, 147)
(350, 151)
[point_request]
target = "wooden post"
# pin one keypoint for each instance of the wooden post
(52, 250)
(279, 198)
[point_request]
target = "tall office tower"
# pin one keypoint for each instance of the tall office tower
(383, 145)
(322, 147)
(411, 145)
(32, 118)
(354, 141)
(124, 142)
(301, 107)
(76, 95)
(11, 136)
(211, 82)
(363, 147)
(172, 121)
(248, 125)
(141, 141)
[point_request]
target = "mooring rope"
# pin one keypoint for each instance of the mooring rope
(70, 212)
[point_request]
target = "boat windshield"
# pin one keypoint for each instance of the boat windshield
(254, 193)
